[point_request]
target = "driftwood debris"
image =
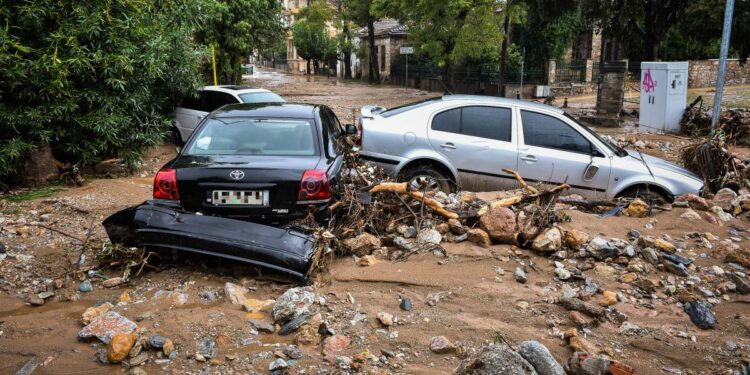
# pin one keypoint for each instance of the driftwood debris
(402, 188)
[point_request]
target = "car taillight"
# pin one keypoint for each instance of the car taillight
(314, 186)
(165, 185)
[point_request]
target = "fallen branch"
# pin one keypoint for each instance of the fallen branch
(521, 181)
(66, 234)
(396, 187)
(401, 188)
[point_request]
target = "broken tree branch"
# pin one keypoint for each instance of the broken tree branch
(521, 181)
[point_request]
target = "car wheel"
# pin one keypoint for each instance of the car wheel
(426, 177)
(647, 195)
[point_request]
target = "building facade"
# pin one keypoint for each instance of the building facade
(390, 36)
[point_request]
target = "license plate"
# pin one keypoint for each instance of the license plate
(240, 197)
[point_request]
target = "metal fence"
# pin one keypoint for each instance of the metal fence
(484, 73)
(575, 71)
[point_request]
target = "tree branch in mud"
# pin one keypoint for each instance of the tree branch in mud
(402, 188)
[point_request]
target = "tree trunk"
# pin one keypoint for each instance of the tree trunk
(36, 167)
(449, 80)
(504, 52)
(307, 68)
(347, 56)
(374, 69)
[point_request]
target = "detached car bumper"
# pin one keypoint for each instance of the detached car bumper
(163, 224)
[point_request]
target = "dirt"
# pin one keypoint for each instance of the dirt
(479, 304)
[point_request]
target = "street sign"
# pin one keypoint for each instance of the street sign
(407, 50)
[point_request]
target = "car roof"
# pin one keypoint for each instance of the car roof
(499, 100)
(291, 110)
(235, 89)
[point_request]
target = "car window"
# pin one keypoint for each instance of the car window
(331, 131)
(486, 122)
(254, 136)
(261, 97)
(546, 131)
(215, 99)
(476, 121)
(448, 121)
(193, 102)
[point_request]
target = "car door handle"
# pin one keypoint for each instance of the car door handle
(528, 158)
(448, 146)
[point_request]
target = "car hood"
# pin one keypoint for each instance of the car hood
(658, 163)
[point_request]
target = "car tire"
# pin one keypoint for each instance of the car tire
(428, 174)
(647, 195)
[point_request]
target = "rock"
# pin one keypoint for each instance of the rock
(629, 277)
(258, 305)
(694, 201)
(119, 347)
(691, 215)
(456, 227)
(724, 198)
(520, 275)
(675, 268)
(3, 250)
(277, 364)
(293, 352)
(404, 244)
(206, 348)
(138, 360)
(540, 358)
(113, 282)
(106, 326)
(293, 303)
(407, 231)
(405, 304)
(650, 255)
(700, 314)
(156, 341)
(29, 367)
(609, 298)
(562, 273)
(429, 237)
(443, 228)
(366, 261)
(385, 319)
(441, 345)
(574, 238)
(168, 347)
(582, 363)
(361, 245)
(548, 241)
(35, 300)
(171, 297)
(263, 326)
(85, 286)
(344, 363)
(495, 360)
(721, 214)
(741, 284)
(479, 237)
(664, 245)
(636, 208)
(500, 225)
(601, 249)
(235, 293)
(630, 329)
(335, 343)
(604, 270)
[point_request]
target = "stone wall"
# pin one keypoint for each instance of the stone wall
(702, 73)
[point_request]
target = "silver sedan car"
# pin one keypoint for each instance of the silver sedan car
(466, 141)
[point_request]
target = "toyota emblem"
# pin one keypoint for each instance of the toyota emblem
(237, 175)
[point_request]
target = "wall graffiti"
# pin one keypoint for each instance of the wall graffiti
(649, 85)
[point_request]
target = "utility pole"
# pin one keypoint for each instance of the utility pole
(725, 36)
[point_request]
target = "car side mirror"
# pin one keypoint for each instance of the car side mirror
(596, 153)
(350, 129)
(590, 171)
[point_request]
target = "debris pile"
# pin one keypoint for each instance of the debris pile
(710, 159)
(734, 123)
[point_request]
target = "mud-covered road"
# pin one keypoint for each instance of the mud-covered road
(469, 296)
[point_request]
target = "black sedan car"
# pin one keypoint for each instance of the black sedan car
(258, 162)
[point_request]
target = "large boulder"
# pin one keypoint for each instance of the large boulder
(106, 326)
(496, 360)
(500, 224)
(724, 198)
(549, 241)
(293, 303)
(695, 202)
(364, 244)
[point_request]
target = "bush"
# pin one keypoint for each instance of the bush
(94, 79)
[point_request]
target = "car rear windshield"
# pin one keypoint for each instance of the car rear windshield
(261, 97)
(253, 136)
(407, 107)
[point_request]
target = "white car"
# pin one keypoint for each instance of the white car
(468, 140)
(192, 110)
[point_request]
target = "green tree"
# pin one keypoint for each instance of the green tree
(646, 21)
(312, 38)
(235, 28)
(92, 79)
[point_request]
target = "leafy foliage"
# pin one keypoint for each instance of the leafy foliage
(237, 27)
(93, 79)
(311, 37)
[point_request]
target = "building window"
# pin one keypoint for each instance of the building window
(382, 58)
